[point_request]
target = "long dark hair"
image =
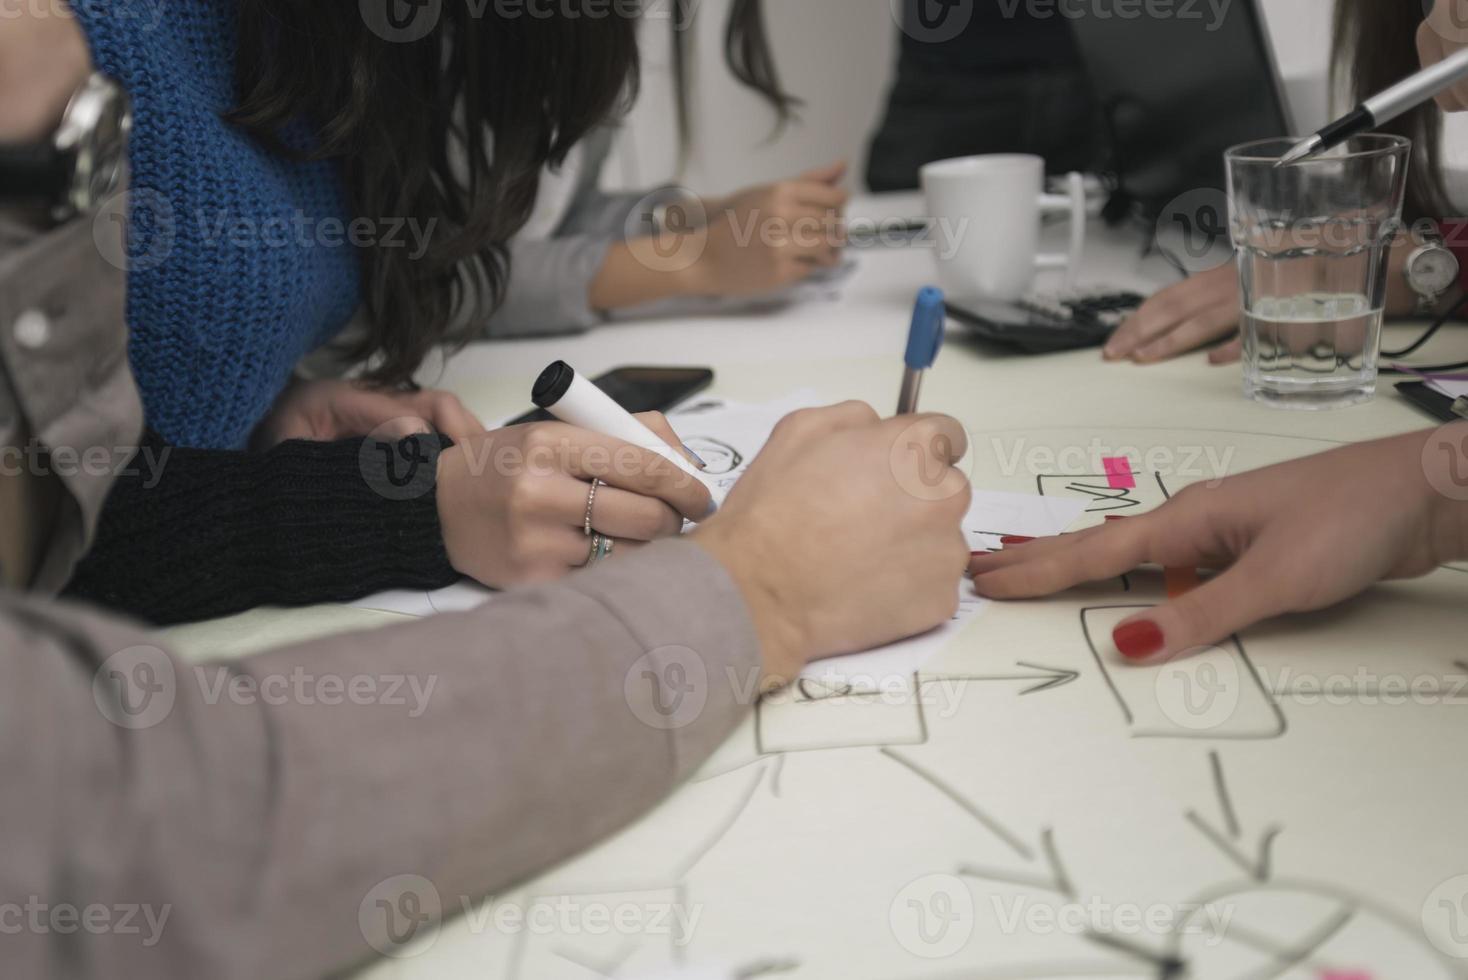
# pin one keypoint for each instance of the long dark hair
(747, 54)
(452, 127)
(1377, 41)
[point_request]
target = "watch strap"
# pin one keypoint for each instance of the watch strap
(1454, 233)
(33, 173)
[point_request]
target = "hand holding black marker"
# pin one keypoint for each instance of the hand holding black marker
(576, 401)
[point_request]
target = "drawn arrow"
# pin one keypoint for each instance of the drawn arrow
(1055, 880)
(1229, 840)
(1048, 677)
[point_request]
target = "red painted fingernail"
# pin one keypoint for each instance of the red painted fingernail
(1138, 639)
(1115, 517)
(1015, 539)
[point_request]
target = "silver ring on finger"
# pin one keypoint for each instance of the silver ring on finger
(590, 503)
(598, 549)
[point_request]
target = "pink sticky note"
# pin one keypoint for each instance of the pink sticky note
(1345, 975)
(1119, 472)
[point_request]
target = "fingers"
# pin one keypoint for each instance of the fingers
(1208, 296)
(819, 198)
(1229, 353)
(1239, 597)
(1055, 564)
(1432, 48)
(447, 414)
(401, 427)
(831, 173)
(658, 423)
(1150, 320)
(814, 423)
(615, 548)
(1189, 531)
(942, 436)
(614, 511)
(1217, 321)
(589, 455)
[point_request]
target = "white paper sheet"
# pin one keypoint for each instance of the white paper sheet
(1453, 389)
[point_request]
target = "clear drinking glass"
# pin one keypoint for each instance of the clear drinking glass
(1312, 240)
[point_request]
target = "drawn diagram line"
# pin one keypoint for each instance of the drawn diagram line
(1048, 677)
(606, 968)
(1287, 957)
(1169, 966)
(766, 967)
(724, 827)
(993, 826)
(1258, 869)
(1220, 786)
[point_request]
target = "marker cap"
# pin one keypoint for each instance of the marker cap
(552, 384)
(926, 335)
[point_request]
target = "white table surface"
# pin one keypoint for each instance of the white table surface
(810, 860)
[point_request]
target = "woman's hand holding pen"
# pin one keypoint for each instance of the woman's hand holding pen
(1294, 537)
(845, 533)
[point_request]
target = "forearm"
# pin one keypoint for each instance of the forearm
(633, 273)
(495, 743)
(1433, 464)
(195, 534)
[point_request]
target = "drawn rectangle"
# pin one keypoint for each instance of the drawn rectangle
(816, 719)
(1212, 693)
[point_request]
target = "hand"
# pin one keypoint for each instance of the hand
(43, 61)
(512, 503)
(845, 532)
(1442, 34)
(1186, 315)
(766, 237)
(327, 410)
(1294, 537)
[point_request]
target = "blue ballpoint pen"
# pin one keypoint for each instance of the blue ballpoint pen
(924, 339)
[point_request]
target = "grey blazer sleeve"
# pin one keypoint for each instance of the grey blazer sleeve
(550, 278)
(287, 814)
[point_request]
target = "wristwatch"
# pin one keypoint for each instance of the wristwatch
(1431, 271)
(81, 164)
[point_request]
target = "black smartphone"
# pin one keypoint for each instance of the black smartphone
(642, 389)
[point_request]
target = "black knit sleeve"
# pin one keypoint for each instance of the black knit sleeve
(190, 534)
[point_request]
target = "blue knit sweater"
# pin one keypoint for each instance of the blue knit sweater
(239, 259)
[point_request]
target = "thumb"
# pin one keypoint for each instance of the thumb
(399, 428)
(1229, 353)
(831, 173)
(658, 423)
(1241, 596)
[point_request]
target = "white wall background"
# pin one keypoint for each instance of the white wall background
(839, 56)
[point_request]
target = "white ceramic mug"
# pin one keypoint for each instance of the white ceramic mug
(991, 205)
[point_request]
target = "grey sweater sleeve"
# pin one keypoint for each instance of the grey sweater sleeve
(550, 278)
(286, 814)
